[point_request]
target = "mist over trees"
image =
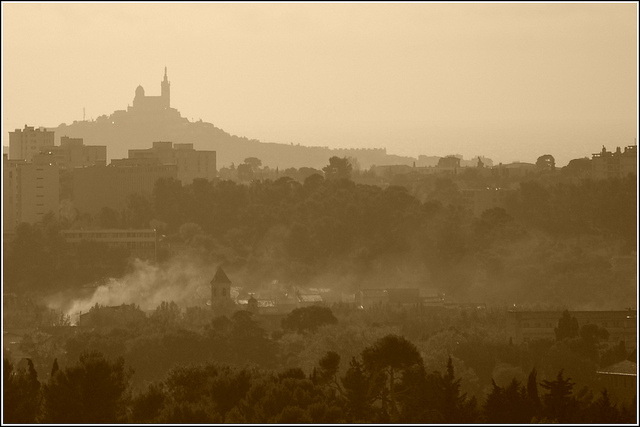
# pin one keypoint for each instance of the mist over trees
(551, 244)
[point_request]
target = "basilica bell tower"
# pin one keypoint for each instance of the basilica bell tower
(165, 90)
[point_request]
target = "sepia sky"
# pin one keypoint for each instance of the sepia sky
(508, 81)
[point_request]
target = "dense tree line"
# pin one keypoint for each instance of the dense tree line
(552, 239)
(152, 344)
(386, 383)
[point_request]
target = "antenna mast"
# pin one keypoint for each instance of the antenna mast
(83, 115)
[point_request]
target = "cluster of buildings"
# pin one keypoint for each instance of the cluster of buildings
(72, 178)
(603, 165)
(617, 164)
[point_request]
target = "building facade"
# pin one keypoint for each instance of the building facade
(618, 164)
(142, 243)
(72, 153)
(110, 186)
(30, 191)
(191, 164)
(26, 143)
(620, 380)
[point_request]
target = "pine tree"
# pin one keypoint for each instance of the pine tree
(356, 389)
(494, 404)
(532, 393)
(603, 411)
(558, 402)
(21, 394)
(567, 327)
(452, 402)
(55, 368)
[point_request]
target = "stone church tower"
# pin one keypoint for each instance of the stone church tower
(221, 301)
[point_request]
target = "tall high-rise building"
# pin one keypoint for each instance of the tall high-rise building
(30, 191)
(26, 143)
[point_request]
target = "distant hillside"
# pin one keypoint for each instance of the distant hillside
(124, 130)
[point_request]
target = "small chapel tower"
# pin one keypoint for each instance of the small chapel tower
(220, 290)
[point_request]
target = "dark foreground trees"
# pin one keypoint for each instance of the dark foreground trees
(387, 383)
(93, 391)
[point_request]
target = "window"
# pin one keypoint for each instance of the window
(224, 292)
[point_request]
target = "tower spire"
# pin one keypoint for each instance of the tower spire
(165, 89)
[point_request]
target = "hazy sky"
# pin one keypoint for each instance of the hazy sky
(508, 81)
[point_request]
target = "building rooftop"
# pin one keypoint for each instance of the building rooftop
(310, 298)
(220, 277)
(626, 367)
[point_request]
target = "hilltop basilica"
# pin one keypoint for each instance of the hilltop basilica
(148, 105)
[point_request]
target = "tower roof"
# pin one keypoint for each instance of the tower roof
(220, 277)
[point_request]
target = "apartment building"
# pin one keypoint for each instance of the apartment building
(26, 143)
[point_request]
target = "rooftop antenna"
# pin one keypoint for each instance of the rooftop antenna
(83, 115)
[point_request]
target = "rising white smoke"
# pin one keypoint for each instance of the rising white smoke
(182, 280)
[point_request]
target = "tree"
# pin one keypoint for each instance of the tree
(386, 359)
(90, 392)
(327, 372)
(613, 355)
(139, 211)
(308, 319)
(558, 402)
(147, 406)
(603, 411)
(578, 167)
(248, 342)
(170, 202)
(546, 162)
(512, 405)
(588, 343)
(167, 315)
(532, 393)
(21, 394)
(452, 404)
(245, 172)
(567, 327)
(356, 390)
(108, 218)
(253, 162)
(338, 168)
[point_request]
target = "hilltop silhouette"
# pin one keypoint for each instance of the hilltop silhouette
(151, 118)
